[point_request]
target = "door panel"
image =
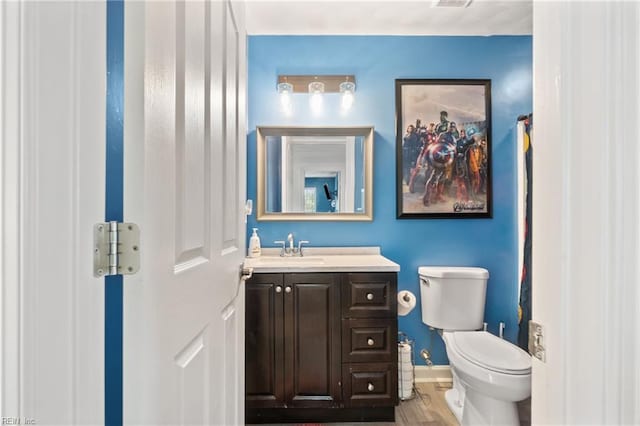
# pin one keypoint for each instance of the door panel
(184, 311)
(312, 336)
(230, 146)
(192, 159)
(193, 364)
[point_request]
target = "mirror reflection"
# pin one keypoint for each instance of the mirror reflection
(314, 173)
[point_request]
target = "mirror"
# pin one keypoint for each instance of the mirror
(315, 173)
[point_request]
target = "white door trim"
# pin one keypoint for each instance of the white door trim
(586, 212)
(10, 147)
(52, 118)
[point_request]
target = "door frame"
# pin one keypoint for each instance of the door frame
(52, 118)
(586, 212)
(10, 178)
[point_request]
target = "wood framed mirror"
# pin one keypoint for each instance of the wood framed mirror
(315, 173)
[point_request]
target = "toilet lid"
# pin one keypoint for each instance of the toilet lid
(452, 272)
(491, 352)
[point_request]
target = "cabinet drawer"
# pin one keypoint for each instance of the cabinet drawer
(369, 340)
(369, 385)
(369, 295)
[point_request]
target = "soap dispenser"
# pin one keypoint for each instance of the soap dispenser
(254, 244)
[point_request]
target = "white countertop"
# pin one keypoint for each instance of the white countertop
(323, 259)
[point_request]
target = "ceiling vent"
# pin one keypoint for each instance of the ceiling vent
(451, 3)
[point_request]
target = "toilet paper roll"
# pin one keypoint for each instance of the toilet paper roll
(406, 302)
(404, 347)
(407, 367)
(405, 376)
(404, 357)
(405, 385)
(404, 393)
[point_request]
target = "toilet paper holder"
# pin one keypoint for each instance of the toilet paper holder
(406, 376)
(406, 302)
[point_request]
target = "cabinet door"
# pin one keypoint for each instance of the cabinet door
(312, 340)
(264, 341)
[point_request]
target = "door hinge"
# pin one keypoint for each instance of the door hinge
(536, 341)
(116, 248)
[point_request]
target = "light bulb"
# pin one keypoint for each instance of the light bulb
(285, 103)
(316, 103)
(347, 100)
(316, 89)
(347, 88)
(285, 90)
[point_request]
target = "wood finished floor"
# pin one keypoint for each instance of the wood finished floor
(429, 408)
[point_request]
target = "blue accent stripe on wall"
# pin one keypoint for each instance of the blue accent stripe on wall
(113, 209)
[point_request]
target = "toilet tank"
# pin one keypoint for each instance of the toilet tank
(452, 298)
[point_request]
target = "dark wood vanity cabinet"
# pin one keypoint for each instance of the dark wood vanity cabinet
(318, 341)
(292, 341)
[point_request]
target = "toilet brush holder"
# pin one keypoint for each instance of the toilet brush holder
(406, 367)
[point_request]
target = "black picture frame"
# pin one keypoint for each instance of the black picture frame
(443, 173)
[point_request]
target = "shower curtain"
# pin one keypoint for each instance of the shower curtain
(525, 124)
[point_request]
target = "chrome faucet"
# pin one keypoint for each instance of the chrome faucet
(290, 240)
(300, 243)
(291, 250)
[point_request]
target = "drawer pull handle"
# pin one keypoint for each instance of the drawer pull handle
(369, 296)
(287, 289)
(370, 341)
(278, 289)
(370, 387)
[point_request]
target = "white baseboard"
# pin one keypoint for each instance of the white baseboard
(435, 373)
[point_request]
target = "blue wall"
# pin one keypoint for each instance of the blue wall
(377, 62)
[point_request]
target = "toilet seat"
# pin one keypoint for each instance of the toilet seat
(488, 351)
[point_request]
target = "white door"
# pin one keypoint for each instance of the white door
(185, 186)
(586, 212)
(52, 179)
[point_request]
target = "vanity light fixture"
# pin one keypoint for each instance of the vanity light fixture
(315, 86)
(285, 90)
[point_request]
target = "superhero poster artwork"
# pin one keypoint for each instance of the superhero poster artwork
(443, 148)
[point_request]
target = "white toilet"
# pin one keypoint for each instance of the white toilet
(489, 374)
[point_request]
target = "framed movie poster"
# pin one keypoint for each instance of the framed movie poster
(443, 149)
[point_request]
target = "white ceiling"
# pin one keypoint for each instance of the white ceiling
(377, 17)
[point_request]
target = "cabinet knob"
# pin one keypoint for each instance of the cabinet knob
(278, 289)
(369, 296)
(370, 387)
(370, 341)
(287, 289)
